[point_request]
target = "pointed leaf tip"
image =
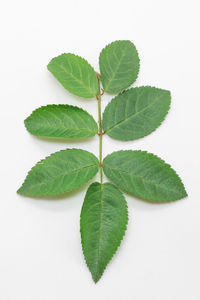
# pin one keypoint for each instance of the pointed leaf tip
(61, 172)
(75, 74)
(136, 112)
(61, 121)
(144, 175)
(119, 66)
(104, 218)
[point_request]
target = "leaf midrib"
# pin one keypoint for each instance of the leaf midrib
(100, 226)
(62, 120)
(78, 80)
(115, 72)
(144, 179)
(69, 128)
(131, 116)
(64, 174)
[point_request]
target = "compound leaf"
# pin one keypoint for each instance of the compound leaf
(61, 172)
(104, 218)
(75, 74)
(119, 66)
(61, 121)
(144, 175)
(136, 112)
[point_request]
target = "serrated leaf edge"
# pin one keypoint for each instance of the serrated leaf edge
(140, 111)
(166, 164)
(110, 44)
(42, 160)
(125, 228)
(51, 61)
(61, 105)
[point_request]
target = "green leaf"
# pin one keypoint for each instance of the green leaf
(136, 112)
(75, 74)
(61, 172)
(119, 66)
(104, 218)
(61, 121)
(144, 175)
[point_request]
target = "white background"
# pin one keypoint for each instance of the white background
(40, 251)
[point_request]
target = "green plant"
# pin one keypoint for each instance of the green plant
(133, 114)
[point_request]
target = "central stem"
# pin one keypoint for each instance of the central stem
(100, 133)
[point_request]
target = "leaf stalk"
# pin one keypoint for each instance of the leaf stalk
(100, 132)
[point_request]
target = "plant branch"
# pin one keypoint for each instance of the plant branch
(100, 132)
